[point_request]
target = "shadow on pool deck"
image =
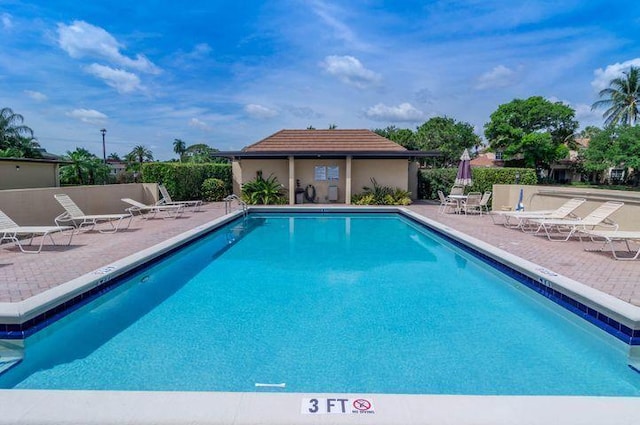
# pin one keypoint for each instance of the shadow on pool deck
(24, 275)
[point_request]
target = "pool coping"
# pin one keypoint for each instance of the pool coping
(141, 407)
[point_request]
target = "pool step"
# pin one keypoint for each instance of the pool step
(11, 353)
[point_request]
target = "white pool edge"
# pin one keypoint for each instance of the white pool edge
(140, 407)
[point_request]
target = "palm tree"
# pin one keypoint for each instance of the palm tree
(14, 134)
(179, 147)
(141, 154)
(623, 96)
(78, 171)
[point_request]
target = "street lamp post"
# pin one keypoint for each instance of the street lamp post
(104, 148)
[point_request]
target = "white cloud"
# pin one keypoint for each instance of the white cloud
(121, 80)
(259, 111)
(81, 39)
(498, 77)
(329, 14)
(90, 116)
(350, 70)
(7, 22)
(584, 113)
(604, 76)
(194, 122)
(36, 95)
(403, 112)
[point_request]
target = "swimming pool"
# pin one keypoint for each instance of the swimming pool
(325, 303)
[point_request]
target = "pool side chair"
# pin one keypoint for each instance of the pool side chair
(563, 229)
(165, 199)
(472, 203)
(484, 202)
(457, 190)
(610, 237)
(446, 204)
(10, 231)
(520, 219)
(73, 214)
(150, 211)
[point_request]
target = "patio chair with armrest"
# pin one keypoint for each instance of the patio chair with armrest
(147, 211)
(563, 229)
(472, 203)
(166, 200)
(457, 190)
(10, 231)
(446, 203)
(74, 215)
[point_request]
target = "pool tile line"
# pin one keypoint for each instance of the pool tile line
(601, 320)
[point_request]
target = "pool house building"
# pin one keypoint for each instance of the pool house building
(327, 166)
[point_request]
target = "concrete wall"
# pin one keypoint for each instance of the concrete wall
(387, 172)
(26, 174)
(305, 172)
(249, 168)
(547, 197)
(39, 207)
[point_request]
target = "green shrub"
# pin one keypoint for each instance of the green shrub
(263, 192)
(184, 181)
(381, 195)
(432, 180)
(214, 190)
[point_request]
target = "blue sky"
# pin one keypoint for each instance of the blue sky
(229, 73)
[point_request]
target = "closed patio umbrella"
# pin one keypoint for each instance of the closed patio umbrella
(463, 178)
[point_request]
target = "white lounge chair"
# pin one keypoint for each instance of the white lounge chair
(521, 218)
(166, 200)
(144, 211)
(610, 237)
(74, 215)
(567, 228)
(10, 231)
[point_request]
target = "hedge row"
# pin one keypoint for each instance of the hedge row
(184, 181)
(432, 180)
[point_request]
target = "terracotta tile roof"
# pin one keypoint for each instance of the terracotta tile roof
(324, 141)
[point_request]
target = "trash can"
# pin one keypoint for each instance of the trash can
(299, 196)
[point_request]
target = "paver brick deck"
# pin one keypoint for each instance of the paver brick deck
(24, 275)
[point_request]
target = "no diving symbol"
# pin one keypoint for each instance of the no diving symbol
(362, 404)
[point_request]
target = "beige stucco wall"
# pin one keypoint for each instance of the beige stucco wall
(387, 172)
(277, 167)
(38, 206)
(305, 172)
(548, 197)
(25, 174)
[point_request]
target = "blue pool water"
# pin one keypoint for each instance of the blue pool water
(325, 303)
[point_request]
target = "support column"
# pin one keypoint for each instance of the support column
(292, 181)
(347, 186)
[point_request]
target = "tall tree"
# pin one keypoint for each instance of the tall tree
(179, 147)
(402, 136)
(517, 129)
(201, 153)
(15, 137)
(85, 168)
(141, 154)
(621, 99)
(448, 136)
